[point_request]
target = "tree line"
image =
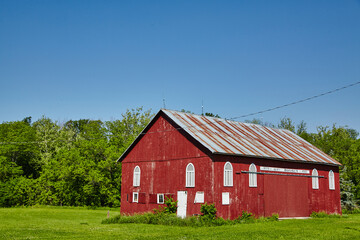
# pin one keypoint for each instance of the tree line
(71, 164)
(74, 163)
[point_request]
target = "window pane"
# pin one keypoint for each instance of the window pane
(228, 174)
(136, 177)
(226, 178)
(160, 198)
(228, 166)
(190, 168)
(252, 176)
(315, 179)
(192, 179)
(135, 197)
(190, 175)
(331, 180)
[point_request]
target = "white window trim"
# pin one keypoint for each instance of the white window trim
(137, 198)
(252, 176)
(315, 179)
(190, 176)
(331, 180)
(228, 175)
(158, 198)
(136, 177)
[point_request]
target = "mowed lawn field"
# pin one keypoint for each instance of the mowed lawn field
(82, 223)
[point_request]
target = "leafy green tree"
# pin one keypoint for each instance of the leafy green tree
(287, 123)
(9, 170)
(47, 135)
(17, 192)
(18, 146)
(347, 189)
(123, 132)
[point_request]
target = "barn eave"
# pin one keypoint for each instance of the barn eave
(277, 159)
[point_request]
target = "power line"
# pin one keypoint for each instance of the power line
(296, 102)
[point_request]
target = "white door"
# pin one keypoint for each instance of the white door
(182, 203)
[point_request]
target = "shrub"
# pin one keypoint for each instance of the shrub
(274, 217)
(169, 208)
(353, 211)
(170, 205)
(356, 211)
(245, 217)
(208, 211)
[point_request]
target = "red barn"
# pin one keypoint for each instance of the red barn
(237, 166)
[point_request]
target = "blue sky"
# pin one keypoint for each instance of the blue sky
(95, 59)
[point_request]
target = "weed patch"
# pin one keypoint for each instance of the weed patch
(324, 215)
(354, 211)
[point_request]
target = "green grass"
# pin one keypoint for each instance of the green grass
(82, 223)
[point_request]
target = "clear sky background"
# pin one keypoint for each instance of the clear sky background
(95, 59)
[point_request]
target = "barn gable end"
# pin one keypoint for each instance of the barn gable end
(162, 155)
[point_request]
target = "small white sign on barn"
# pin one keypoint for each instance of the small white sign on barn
(285, 170)
(225, 198)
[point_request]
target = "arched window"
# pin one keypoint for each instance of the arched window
(315, 179)
(136, 179)
(228, 175)
(331, 180)
(252, 176)
(190, 175)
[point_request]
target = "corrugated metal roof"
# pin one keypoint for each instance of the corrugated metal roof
(221, 136)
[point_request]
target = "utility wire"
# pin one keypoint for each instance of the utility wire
(296, 102)
(242, 116)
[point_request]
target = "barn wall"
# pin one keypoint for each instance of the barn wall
(288, 196)
(162, 156)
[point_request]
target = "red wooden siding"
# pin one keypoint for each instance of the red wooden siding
(289, 196)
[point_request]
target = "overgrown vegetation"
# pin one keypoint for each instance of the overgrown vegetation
(208, 211)
(353, 211)
(173, 220)
(208, 218)
(324, 215)
(169, 207)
